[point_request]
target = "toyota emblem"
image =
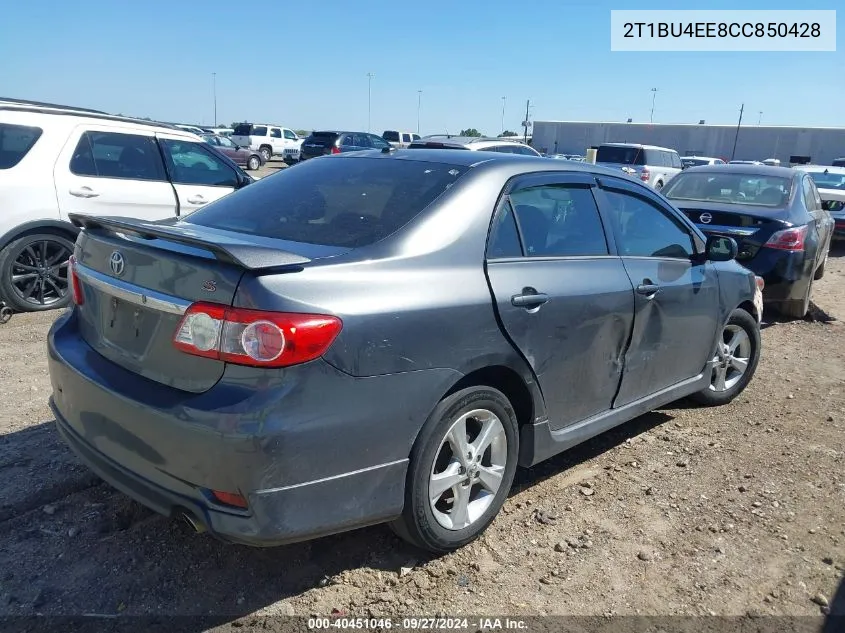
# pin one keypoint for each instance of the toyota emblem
(706, 218)
(117, 263)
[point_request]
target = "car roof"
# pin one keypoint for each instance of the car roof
(72, 113)
(640, 145)
(751, 170)
(820, 169)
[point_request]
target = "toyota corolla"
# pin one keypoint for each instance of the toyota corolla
(385, 337)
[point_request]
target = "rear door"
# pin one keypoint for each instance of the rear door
(677, 299)
(104, 170)
(822, 222)
(277, 141)
(564, 300)
(198, 174)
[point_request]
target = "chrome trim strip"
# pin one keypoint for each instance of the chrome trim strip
(132, 293)
(324, 479)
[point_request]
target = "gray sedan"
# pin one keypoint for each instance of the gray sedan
(385, 337)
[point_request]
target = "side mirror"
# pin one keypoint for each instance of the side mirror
(720, 248)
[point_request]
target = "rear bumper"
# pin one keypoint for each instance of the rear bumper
(313, 450)
(786, 274)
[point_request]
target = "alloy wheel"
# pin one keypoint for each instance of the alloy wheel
(468, 469)
(733, 354)
(39, 273)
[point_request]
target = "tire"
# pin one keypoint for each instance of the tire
(745, 327)
(266, 152)
(22, 259)
(820, 270)
(797, 309)
(253, 162)
(432, 450)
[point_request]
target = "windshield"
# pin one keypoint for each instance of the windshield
(828, 180)
(621, 155)
(749, 189)
(347, 202)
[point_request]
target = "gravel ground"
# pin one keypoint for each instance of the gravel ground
(732, 511)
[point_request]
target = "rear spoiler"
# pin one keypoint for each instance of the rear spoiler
(224, 245)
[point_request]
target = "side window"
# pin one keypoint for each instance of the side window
(559, 221)
(676, 161)
(644, 230)
(504, 239)
(290, 135)
(361, 140)
(406, 138)
(275, 132)
(392, 136)
(259, 130)
(416, 137)
(378, 142)
(224, 142)
(809, 196)
(192, 164)
(347, 140)
(114, 155)
(15, 143)
(525, 151)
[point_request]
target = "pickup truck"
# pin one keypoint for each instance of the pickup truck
(268, 140)
(400, 139)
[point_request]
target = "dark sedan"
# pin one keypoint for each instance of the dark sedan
(775, 214)
(386, 336)
(335, 142)
(242, 156)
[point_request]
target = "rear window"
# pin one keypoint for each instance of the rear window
(15, 143)
(345, 202)
(828, 180)
(694, 162)
(391, 136)
(620, 155)
(746, 189)
(243, 129)
(322, 138)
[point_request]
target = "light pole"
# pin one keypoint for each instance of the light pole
(419, 105)
(504, 101)
(759, 117)
(653, 99)
(369, 99)
(214, 83)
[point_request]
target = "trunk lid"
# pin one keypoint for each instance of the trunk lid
(139, 278)
(750, 226)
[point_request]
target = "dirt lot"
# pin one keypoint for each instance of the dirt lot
(734, 510)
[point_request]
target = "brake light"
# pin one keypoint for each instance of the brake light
(255, 337)
(230, 498)
(760, 283)
(645, 175)
(335, 149)
(77, 293)
(788, 239)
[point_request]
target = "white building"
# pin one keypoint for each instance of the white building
(755, 142)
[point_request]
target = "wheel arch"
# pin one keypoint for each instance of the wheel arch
(64, 229)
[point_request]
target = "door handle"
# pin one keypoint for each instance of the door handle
(647, 288)
(529, 298)
(83, 192)
(198, 199)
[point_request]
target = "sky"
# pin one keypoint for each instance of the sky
(304, 64)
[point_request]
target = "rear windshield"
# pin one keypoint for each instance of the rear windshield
(243, 129)
(747, 189)
(828, 180)
(694, 162)
(15, 143)
(391, 136)
(322, 138)
(346, 202)
(620, 155)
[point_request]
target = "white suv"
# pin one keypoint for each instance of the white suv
(269, 140)
(651, 164)
(56, 160)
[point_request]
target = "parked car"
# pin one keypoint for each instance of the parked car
(335, 142)
(193, 129)
(772, 162)
(830, 181)
(329, 348)
(744, 162)
(56, 160)
(838, 162)
(249, 158)
(479, 144)
(400, 139)
(776, 215)
(270, 140)
(653, 165)
(697, 161)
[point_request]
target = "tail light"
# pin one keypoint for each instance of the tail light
(255, 337)
(760, 283)
(788, 239)
(77, 293)
(335, 149)
(645, 175)
(230, 498)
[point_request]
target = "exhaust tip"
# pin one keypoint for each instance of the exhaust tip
(196, 525)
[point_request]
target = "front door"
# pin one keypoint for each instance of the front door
(565, 302)
(104, 170)
(198, 173)
(676, 295)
